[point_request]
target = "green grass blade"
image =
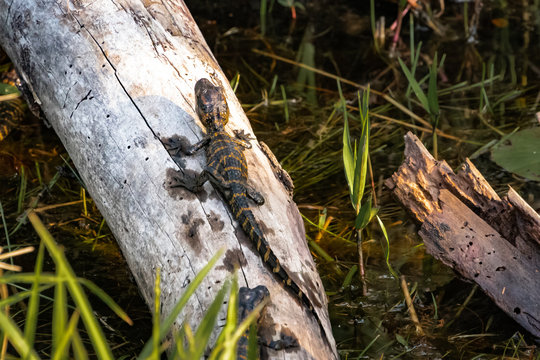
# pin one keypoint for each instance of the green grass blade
(190, 290)
(362, 153)
(5, 229)
(33, 303)
(253, 347)
(320, 251)
(79, 351)
(387, 249)
(28, 278)
(348, 155)
(107, 300)
(60, 315)
(224, 338)
(273, 86)
(16, 338)
(65, 339)
(415, 86)
(95, 333)
(373, 22)
(156, 339)
(20, 296)
(22, 192)
(204, 331)
(285, 103)
(348, 278)
(240, 330)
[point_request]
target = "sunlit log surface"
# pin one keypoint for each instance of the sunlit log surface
(492, 241)
(115, 78)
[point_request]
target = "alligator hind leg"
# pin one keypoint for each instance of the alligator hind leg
(194, 183)
(191, 182)
(254, 195)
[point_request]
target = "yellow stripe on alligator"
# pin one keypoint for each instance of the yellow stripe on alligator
(259, 244)
(277, 268)
(239, 194)
(239, 212)
(267, 254)
(4, 131)
(289, 281)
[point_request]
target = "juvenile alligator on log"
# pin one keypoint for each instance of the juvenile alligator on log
(12, 110)
(226, 168)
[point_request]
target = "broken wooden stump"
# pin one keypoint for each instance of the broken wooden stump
(492, 241)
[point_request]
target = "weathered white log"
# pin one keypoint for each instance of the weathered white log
(115, 78)
(492, 241)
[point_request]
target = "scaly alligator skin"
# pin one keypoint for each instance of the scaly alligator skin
(11, 111)
(248, 300)
(226, 169)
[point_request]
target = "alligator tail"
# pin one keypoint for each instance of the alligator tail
(240, 207)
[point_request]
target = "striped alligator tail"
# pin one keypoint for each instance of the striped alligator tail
(240, 208)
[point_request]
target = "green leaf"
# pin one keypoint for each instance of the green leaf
(360, 169)
(349, 277)
(348, 155)
(364, 216)
(415, 86)
(387, 249)
(520, 153)
(400, 339)
(6, 89)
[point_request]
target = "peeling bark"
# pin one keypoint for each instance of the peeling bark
(115, 78)
(492, 241)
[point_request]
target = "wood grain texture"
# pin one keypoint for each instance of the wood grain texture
(115, 78)
(466, 225)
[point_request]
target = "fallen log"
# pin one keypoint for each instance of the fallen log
(464, 223)
(116, 79)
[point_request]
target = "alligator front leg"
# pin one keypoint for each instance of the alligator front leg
(177, 144)
(242, 139)
(194, 183)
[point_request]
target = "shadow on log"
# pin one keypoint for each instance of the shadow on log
(492, 241)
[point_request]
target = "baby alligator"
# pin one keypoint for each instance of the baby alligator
(11, 111)
(248, 300)
(226, 169)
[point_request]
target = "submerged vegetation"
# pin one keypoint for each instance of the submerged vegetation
(331, 88)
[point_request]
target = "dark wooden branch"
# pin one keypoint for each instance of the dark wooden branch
(115, 78)
(492, 241)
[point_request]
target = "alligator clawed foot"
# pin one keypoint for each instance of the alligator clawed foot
(243, 139)
(176, 145)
